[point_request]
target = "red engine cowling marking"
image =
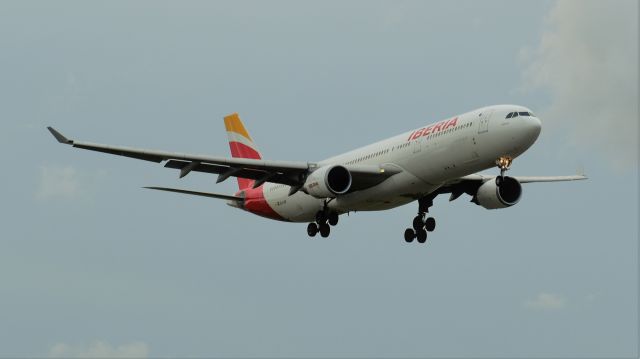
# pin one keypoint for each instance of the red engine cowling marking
(255, 203)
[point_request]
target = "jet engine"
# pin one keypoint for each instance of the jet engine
(328, 181)
(498, 193)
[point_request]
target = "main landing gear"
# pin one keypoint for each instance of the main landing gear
(421, 223)
(324, 218)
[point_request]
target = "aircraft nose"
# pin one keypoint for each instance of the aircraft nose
(534, 126)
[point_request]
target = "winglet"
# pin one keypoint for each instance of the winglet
(59, 136)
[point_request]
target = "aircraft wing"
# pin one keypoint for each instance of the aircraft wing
(521, 179)
(285, 172)
(469, 184)
(532, 179)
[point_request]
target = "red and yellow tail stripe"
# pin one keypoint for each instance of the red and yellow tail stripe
(241, 144)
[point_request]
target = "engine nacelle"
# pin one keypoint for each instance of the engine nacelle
(328, 181)
(490, 195)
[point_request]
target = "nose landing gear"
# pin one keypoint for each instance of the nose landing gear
(503, 163)
(421, 224)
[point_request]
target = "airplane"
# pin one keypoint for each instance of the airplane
(442, 158)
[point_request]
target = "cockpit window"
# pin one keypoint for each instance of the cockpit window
(516, 114)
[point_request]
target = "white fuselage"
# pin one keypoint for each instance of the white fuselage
(428, 157)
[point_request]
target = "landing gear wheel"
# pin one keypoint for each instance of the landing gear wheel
(333, 218)
(320, 217)
(421, 235)
(430, 224)
(325, 230)
(418, 223)
(312, 229)
(409, 235)
(421, 224)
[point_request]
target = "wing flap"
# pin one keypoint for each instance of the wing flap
(282, 177)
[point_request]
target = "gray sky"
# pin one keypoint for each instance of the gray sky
(92, 265)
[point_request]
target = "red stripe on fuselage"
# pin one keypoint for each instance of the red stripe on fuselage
(255, 203)
(240, 150)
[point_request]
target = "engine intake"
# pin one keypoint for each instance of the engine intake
(497, 193)
(328, 181)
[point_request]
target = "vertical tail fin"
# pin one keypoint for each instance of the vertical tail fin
(241, 144)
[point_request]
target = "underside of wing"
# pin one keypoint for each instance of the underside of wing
(196, 193)
(288, 176)
(367, 176)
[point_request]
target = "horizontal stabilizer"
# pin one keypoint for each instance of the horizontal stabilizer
(195, 193)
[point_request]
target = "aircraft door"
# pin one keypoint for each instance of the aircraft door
(483, 121)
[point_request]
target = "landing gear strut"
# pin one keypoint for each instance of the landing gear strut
(324, 219)
(421, 224)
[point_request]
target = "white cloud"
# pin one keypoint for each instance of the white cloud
(588, 59)
(100, 349)
(546, 301)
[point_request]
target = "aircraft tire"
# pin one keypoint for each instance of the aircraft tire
(333, 218)
(409, 235)
(325, 230)
(418, 223)
(430, 224)
(421, 236)
(312, 229)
